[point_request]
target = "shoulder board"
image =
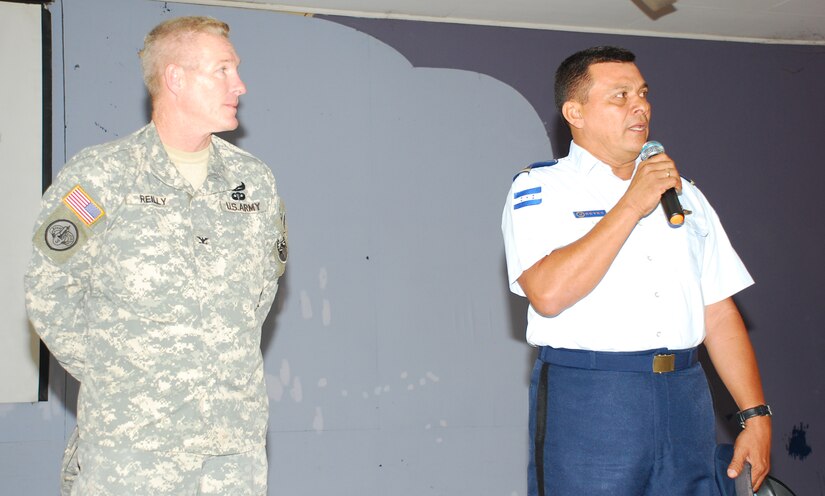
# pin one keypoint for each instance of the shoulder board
(536, 165)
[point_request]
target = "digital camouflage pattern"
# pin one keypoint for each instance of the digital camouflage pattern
(116, 472)
(153, 295)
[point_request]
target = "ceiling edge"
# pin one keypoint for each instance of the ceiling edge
(292, 9)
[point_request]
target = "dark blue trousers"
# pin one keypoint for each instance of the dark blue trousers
(619, 433)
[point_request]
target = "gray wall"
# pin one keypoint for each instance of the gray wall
(394, 354)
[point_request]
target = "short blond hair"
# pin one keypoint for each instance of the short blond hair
(162, 45)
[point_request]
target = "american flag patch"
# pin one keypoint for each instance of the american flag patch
(83, 206)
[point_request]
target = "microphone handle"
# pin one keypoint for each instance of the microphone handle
(673, 209)
(670, 199)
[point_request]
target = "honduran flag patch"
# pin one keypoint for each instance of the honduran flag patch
(527, 198)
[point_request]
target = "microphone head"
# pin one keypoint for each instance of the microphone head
(650, 149)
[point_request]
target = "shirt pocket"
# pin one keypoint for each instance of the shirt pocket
(696, 234)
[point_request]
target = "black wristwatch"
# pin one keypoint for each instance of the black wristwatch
(757, 411)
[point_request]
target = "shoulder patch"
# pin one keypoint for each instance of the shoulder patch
(82, 205)
(536, 165)
(60, 236)
(281, 250)
(527, 198)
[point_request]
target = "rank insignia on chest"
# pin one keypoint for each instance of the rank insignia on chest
(82, 205)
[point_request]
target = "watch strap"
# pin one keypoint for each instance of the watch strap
(757, 411)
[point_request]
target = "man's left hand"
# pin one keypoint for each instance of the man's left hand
(754, 446)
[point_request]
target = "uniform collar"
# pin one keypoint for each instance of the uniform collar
(218, 177)
(584, 160)
(588, 164)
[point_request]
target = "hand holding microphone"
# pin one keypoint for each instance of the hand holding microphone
(670, 199)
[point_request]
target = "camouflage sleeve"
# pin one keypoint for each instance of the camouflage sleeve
(58, 275)
(276, 261)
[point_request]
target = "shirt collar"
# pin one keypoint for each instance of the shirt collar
(584, 160)
(218, 177)
(588, 164)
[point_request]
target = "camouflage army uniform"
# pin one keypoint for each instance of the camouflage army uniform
(153, 295)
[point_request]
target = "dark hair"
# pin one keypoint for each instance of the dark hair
(573, 77)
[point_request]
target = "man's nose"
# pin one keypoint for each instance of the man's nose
(239, 88)
(641, 105)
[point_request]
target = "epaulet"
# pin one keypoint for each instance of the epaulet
(537, 165)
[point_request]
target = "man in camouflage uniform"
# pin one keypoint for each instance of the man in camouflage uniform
(156, 260)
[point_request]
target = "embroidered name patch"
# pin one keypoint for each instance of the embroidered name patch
(583, 214)
(83, 206)
(246, 207)
(149, 199)
(527, 197)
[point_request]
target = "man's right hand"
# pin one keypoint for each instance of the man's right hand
(653, 177)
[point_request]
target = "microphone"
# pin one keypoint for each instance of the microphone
(670, 199)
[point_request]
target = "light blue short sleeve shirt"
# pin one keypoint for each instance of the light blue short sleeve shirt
(655, 292)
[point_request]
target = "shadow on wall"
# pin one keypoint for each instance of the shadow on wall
(517, 313)
(63, 387)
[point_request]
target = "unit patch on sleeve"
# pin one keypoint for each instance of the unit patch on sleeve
(83, 206)
(61, 235)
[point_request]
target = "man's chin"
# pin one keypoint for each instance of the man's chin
(229, 126)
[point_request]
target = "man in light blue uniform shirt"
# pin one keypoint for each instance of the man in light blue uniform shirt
(619, 302)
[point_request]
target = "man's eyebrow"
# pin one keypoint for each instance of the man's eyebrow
(628, 87)
(229, 60)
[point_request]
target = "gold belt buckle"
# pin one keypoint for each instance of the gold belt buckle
(664, 363)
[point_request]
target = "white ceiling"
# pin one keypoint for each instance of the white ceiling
(764, 21)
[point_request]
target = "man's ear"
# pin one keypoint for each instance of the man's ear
(173, 78)
(572, 112)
